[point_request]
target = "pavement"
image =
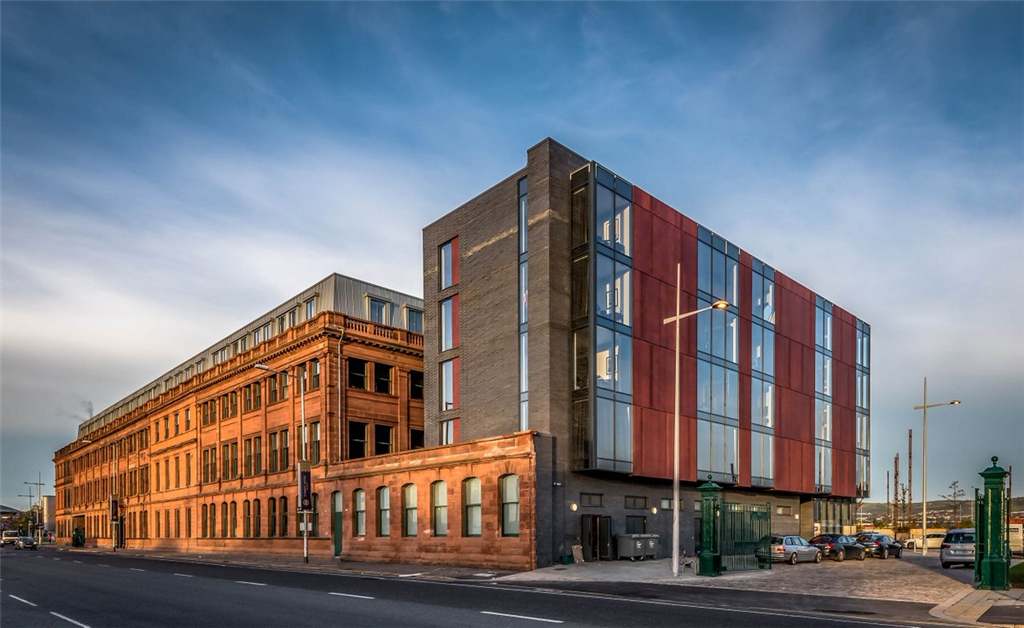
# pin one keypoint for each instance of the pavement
(916, 582)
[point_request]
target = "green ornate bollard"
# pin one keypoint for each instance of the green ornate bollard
(710, 563)
(995, 568)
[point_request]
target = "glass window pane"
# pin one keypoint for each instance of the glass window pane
(757, 295)
(819, 326)
(756, 443)
(756, 401)
(446, 265)
(703, 267)
(605, 215)
(604, 432)
(447, 385)
(732, 394)
(769, 456)
(717, 390)
(524, 284)
(623, 294)
(703, 445)
(769, 352)
(718, 333)
(756, 347)
(603, 358)
(769, 301)
(703, 386)
(718, 274)
(623, 363)
(732, 281)
(447, 325)
(768, 414)
(703, 328)
(718, 447)
(622, 226)
(623, 432)
(732, 338)
(524, 362)
(818, 371)
(605, 293)
(732, 466)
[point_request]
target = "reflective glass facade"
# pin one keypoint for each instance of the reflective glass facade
(863, 395)
(762, 374)
(822, 396)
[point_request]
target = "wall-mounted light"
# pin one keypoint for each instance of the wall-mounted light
(573, 506)
(654, 510)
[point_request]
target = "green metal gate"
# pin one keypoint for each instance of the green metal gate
(744, 533)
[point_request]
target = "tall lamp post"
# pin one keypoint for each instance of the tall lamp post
(924, 464)
(717, 305)
(39, 503)
(31, 515)
(303, 465)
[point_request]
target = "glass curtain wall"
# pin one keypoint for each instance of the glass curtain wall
(863, 409)
(762, 374)
(822, 396)
(718, 377)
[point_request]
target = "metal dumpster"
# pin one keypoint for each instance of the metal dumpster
(650, 545)
(631, 546)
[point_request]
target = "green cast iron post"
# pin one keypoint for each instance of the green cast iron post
(710, 562)
(995, 568)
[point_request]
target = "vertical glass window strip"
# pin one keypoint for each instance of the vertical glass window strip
(863, 402)
(447, 327)
(524, 308)
(447, 385)
(446, 265)
(823, 396)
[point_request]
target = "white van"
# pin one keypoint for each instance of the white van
(9, 537)
(1016, 538)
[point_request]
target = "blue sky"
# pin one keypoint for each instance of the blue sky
(171, 170)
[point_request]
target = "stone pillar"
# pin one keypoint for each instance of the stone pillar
(995, 568)
(710, 563)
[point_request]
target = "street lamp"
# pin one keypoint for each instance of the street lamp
(303, 465)
(924, 464)
(39, 505)
(717, 305)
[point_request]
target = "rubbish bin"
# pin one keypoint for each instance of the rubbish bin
(650, 545)
(631, 546)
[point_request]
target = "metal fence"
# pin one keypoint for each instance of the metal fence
(745, 532)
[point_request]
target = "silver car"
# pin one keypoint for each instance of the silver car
(793, 549)
(957, 548)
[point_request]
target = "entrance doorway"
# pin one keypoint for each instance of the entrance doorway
(596, 537)
(336, 520)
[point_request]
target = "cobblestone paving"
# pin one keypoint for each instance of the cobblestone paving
(906, 580)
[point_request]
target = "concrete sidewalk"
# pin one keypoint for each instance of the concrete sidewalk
(984, 608)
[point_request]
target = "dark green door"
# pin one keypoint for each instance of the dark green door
(336, 521)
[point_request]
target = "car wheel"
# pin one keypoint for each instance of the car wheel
(792, 559)
(885, 553)
(841, 556)
(945, 565)
(817, 557)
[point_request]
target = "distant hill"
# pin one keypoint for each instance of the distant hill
(877, 509)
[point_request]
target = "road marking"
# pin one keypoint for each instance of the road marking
(101, 565)
(56, 559)
(255, 584)
(136, 569)
(77, 623)
(550, 621)
(361, 597)
(410, 575)
(21, 600)
(183, 575)
(77, 561)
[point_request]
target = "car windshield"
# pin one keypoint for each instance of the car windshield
(960, 537)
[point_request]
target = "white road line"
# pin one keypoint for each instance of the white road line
(183, 575)
(410, 575)
(255, 584)
(550, 621)
(56, 559)
(136, 569)
(361, 597)
(21, 600)
(77, 561)
(102, 565)
(77, 623)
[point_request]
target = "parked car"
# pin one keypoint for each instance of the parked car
(25, 542)
(881, 545)
(793, 549)
(839, 546)
(9, 537)
(957, 548)
(934, 541)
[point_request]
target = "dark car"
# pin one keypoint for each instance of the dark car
(25, 542)
(881, 545)
(839, 547)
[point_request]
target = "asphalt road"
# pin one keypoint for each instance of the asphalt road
(67, 588)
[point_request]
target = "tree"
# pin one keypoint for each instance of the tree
(955, 495)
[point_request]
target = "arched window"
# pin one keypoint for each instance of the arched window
(439, 507)
(409, 510)
(359, 512)
(471, 507)
(257, 520)
(284, 516)
(234, 519)
(383, 511)
(213, 520)
(272, 516)
(206, 521)
(224, 521)
(314, 517)
(508, 487)
(246, 519)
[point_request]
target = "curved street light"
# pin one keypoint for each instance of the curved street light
(717, 305)
(924, 464)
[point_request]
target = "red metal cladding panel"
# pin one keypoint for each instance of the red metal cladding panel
(688, 389)
(455, 320)
(641, 198)
(843, 473)
(641, 364)
(455, 260)
(455, 384)
(744, 436)
(643, 239)
(843, 382)
(688, 256)
(689, 227)
(806, 468)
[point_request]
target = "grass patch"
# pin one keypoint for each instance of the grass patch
(1017, 576)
